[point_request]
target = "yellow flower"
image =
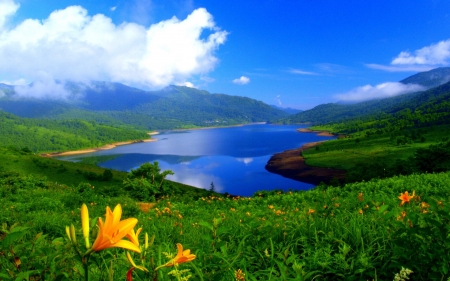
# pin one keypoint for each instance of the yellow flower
(239, 275)
(181, 257)
(405, 197)
(134, 236)
(131, 261)
(110, 233)
(85, 224)
(311, 211)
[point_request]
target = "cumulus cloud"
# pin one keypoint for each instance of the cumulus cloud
(422, 59)
(72, 45)
(435, 54)
(241, 81)
(7, 9)
(384, 90)
(44, 88)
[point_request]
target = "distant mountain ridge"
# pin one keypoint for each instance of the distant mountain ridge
(169, 108)
(336, 112)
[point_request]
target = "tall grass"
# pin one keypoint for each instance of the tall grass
(356, 232)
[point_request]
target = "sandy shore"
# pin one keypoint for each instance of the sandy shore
(90, 150)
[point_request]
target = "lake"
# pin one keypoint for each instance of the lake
(232, 158)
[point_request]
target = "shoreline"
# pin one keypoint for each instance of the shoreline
(291, 164)
(105, 147)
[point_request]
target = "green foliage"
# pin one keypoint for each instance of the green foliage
(174, 107)
(429, 107)
(38, 135)
(147, 182)
(355, 232)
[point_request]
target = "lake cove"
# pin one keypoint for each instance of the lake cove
(231, 159)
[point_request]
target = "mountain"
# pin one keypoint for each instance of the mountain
(118, 104)
(288, 110)
(430, 79)
(336, 112)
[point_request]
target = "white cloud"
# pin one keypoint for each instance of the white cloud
(435, 54)
(384, 90)
(278, 100)
(241, 81)
(301, 72)
(113, 8)
(402, 68)
(44, 88)
(423, 59)
(2, 94)
(187, 84)
(7, 9)
(71, 45)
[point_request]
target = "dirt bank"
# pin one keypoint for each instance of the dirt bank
(291, 164)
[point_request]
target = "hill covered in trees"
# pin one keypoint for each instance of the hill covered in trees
(115, 103)
(41, 135)
(336, 112)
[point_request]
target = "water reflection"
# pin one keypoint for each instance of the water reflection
(233, 159)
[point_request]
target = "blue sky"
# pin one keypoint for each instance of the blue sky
(290, 53)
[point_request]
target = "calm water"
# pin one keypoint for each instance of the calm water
(231, 158)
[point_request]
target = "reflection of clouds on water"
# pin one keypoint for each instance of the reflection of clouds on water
(246, 161)
(210, 166)
(195, 178)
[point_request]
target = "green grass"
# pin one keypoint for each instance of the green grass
(346, 153)
(356, 232)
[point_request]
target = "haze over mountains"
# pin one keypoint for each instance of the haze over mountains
(115, 103)
(181, 107)
(436, 89)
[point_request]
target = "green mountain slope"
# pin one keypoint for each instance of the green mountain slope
(40, 135)
(335, 112)
(172, 107)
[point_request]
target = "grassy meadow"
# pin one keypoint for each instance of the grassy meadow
(383, 151)
(356, 232)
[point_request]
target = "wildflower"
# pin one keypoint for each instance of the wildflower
(403, 274)
(360, 211)
(240, 276)
(181, 257)
(134, 236)
(311, 211)
(361, 196)
(85, 224)
(270, 206)
(405, 197)
(111, 232)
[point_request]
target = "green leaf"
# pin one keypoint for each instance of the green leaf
(205, 224)
(12, 238)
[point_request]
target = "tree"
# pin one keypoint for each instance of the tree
(147, 181)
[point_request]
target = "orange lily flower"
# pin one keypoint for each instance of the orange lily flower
(110, 233)
(134, 236)
(405, 197)
(181, 257)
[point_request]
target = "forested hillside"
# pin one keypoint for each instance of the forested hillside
(335, 112)
(169, 108)
(40, 135)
